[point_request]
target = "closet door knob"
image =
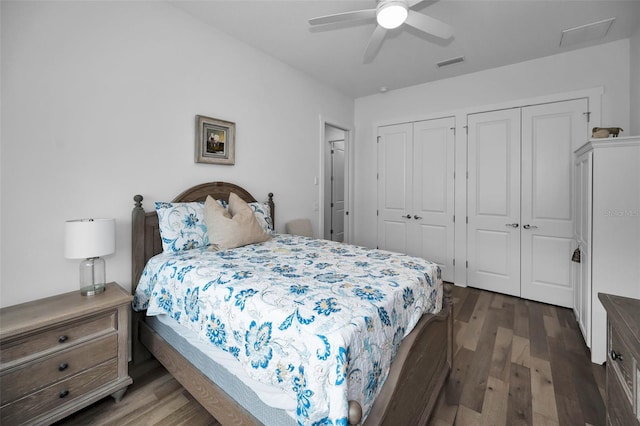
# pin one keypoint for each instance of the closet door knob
(416, 217)
(513, 225)
(527, 226)
(407, 216)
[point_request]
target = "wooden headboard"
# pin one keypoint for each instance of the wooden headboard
(145, 232)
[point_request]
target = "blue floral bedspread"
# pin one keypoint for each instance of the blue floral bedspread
(318, 319)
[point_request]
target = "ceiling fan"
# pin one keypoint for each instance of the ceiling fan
(389, 14)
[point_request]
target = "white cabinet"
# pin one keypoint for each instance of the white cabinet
(415, 190)
(607, 173)
(582, 236)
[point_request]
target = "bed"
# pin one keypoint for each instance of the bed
(421, 361)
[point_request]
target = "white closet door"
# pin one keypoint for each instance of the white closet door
(493, 206)
(550, 133)
(432, 228)
(395, 169)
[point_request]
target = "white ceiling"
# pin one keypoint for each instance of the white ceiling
(488, 33)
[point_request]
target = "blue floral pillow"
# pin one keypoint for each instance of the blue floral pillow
(262, 213)
(182, 226)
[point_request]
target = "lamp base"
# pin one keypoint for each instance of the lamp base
(92, 290)
(92, 276)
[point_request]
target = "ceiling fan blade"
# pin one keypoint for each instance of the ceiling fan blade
(356, 15)
(429, 25)
(412, 3)
(374, 44)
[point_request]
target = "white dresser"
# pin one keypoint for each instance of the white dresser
(607, 231)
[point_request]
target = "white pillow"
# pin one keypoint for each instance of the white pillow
(234, 227)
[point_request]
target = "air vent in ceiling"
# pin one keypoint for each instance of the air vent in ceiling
(450, 61)
(587, 32)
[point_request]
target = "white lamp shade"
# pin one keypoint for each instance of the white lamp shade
(86, 238)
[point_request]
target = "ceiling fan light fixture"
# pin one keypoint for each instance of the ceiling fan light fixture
(391, 14)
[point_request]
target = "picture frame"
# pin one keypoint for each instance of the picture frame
(215, 141)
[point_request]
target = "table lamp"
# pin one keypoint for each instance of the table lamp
(89, 239)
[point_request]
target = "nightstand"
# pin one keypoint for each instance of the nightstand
(62, 353)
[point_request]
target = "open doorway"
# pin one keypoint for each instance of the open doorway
(334, 194)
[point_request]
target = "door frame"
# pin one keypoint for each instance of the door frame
(348, 176)
(330, 186)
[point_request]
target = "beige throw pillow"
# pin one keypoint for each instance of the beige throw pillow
(234, 227)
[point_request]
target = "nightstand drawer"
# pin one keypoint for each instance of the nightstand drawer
(55, 339)
(41, 373)
(58, 394)
(620, 358)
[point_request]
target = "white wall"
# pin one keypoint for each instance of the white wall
(99, 102)
(634, 128)
(571, 71)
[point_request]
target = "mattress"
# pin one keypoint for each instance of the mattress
(266, 403)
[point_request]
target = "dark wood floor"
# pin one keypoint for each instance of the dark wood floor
(516, 362)
(154, 398)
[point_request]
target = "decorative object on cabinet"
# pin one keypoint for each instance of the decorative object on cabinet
(215, 141)
(623, 359)
(607, 179)
(605, 132)
(62, 353)
(89, 239)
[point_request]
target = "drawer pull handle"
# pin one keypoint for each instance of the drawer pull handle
(63, 339)
(64, 393)
(63, 366)
(616, 356)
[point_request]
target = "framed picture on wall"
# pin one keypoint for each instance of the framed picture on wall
(215, 141)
